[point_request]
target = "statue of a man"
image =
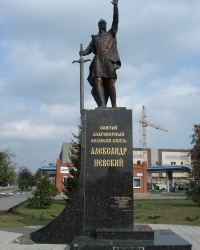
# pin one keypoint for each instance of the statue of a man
(102, 71)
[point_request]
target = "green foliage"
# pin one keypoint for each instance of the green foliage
(37, 175)
(154, 185)
(194, 191)
(25, 178)
(154, 218)
(43, 193)
(7, 168)
(75, 158)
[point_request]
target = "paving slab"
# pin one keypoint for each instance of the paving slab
(189, 233)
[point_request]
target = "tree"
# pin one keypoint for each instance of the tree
(37, 175)
(7, 168)
(75, 158)
(25, 178)
(194, 192)
(43, 193)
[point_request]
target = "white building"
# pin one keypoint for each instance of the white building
(164, 157)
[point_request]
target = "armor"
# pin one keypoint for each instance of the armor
(104, 44)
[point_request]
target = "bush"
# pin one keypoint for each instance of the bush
(43, 194)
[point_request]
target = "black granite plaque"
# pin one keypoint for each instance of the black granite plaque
(107, 164)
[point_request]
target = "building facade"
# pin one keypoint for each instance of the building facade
(162, 158)
(140, 178)
(59, 173)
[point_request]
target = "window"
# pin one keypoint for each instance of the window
(65, 180)
(136, 182)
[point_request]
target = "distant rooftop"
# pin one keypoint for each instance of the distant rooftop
(161, 168)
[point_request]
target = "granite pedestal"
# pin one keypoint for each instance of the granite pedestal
(100, 213)
(107, 160)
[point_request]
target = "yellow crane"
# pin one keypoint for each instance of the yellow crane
(144, 125)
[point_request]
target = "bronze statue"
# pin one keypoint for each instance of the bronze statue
(102, 70)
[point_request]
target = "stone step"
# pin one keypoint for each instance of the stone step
(163, 240)
(139, 232)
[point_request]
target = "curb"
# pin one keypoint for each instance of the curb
(3, 193)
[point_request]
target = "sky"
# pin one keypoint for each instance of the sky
(159, 46)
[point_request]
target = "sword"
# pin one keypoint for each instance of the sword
(81, 61)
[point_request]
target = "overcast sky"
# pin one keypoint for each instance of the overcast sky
(159, 46)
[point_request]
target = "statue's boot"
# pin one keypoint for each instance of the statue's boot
(95, 96)
(100, 92)
(112, 92)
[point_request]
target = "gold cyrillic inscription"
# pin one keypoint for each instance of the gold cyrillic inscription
(108, 162)
(108, 127)
(108, 151)
(107, 134)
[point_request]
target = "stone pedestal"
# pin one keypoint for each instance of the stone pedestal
(140, 238)
(107, 161)
(100, 213)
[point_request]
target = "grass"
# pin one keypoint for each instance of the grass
(24, 216)
(179, 212)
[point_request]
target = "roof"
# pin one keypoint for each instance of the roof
(49, 168)
(156, 168)
(168, 168)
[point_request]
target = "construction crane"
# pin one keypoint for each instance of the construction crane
(144, 125)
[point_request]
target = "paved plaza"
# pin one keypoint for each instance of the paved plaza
(9, 235)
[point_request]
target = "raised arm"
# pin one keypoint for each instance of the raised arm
(115, 22)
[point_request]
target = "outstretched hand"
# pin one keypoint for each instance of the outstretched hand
(81, 53)
(115, 2)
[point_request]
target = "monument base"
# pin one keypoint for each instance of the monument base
(142, 237)
(100, 214)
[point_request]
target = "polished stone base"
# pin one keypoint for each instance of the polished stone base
(99, 216)
(139, 232)
(102, 197)
(140, 238)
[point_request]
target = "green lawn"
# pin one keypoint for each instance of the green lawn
(24, 216)
(179, 212)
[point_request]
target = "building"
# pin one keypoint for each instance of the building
(140, 178)
(65, 152)
(60, 172)
(164, 157)
(163, 167)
